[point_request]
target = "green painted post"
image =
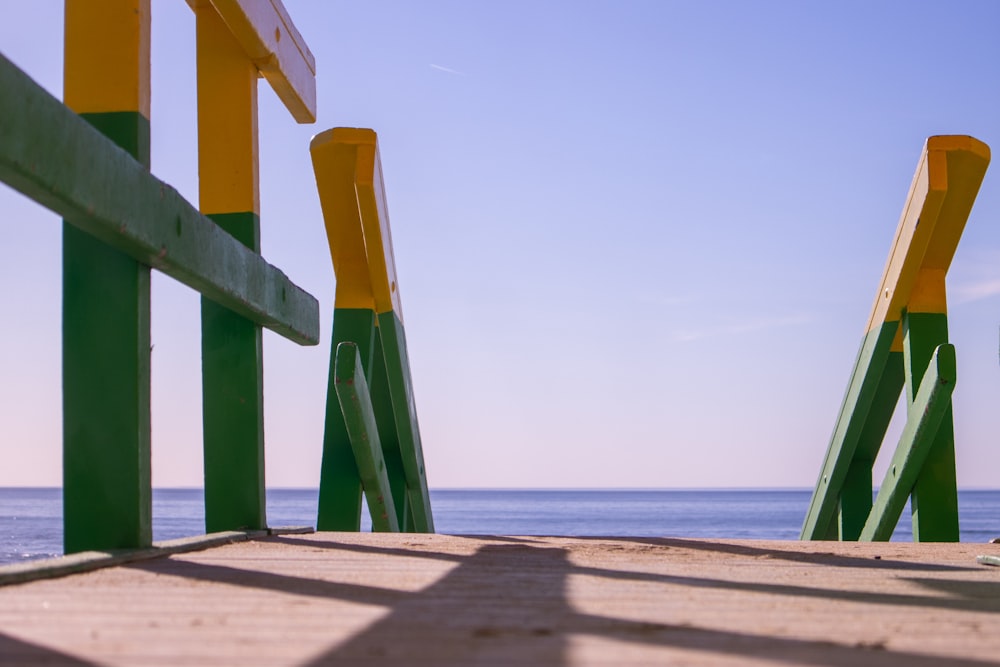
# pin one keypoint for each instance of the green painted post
(934, 501)
(232, 405)
(925, 417)
(107, 499)
(359, 418)
(385, 418)
(400, 389)
(340, 481)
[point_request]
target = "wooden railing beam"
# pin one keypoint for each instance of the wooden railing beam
(56, 158)
(273, 44)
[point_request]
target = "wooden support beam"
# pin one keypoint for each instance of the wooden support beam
(56, 158)
(107, 500)
(359, 417)
(924, 417)
(852, 422)
(352, 194)
(272, 43)
(231, 345)
(944, 187)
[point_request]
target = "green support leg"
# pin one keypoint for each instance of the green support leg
(386, 420)
(855, 500)
(107, 502)
(934, 501)
(232, 405)
(924, 416)
(340, 481)
(359, 418)
(397, 366)
(856, 494)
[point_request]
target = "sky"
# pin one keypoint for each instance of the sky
(637, 242)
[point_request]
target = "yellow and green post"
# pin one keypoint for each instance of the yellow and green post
(237, 41)
(106, 311)
(368, 324)
(905, 344)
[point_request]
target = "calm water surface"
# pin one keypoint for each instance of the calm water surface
(31, 519)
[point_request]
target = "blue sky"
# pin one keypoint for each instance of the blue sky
(637, 241)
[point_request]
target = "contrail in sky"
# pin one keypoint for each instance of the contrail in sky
(449, 70)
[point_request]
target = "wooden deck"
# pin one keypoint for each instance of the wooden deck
(364, 599)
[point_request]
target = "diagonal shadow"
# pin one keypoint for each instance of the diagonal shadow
(367, 549)
(979, 602)
(778, 649)
(282, 583)
(25, 654)
(819, 558)
(531, 539)
(983, 592)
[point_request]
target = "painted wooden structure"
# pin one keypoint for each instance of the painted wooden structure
(905, 344)
(372, 439)
(235, 40)
(88, 160)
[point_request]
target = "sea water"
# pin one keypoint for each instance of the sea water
(31, 519)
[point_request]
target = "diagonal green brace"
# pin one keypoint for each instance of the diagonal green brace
(922, 422)
(851, 424)
(359, 417)
(56, 158)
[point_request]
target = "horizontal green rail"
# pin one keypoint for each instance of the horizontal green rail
(53, 156)
(924, 417)
(359, 418)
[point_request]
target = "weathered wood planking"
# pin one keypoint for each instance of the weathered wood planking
(392, 599)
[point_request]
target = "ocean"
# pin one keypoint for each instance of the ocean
(31, 519)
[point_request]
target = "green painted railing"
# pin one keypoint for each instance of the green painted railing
(905, 344)
(88, 160)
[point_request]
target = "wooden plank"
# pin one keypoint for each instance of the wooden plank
(923, 420)
(51, 155)
(359, 417)
(950, 167)
(273, 44)
(397, 599)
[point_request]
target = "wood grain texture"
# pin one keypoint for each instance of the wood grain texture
(390, 599)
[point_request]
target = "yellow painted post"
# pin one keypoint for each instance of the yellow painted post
(106, 423)
(237, 40)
